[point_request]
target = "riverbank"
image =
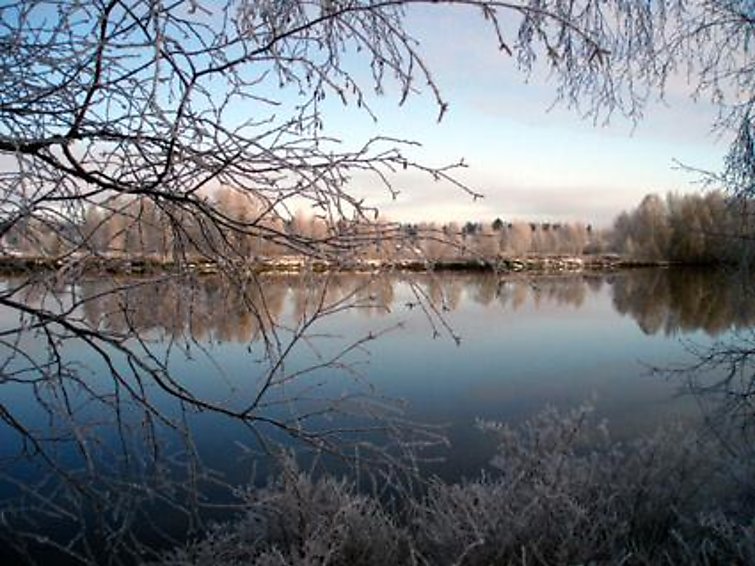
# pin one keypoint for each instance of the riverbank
(15, 264)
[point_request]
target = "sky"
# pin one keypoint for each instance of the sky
(529, 160)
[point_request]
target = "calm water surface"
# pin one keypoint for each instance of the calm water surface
(452, 348)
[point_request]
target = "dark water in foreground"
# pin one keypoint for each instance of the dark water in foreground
(314, 354)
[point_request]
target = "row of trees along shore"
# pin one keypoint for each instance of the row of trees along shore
(137, 227)
(692, 228)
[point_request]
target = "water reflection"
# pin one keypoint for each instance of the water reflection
(207, 309)
(682, 301)
(660, 301)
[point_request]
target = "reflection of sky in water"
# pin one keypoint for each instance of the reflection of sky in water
(524, 343)
(511, 362)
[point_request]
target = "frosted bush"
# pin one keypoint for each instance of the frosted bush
(297, 520)
(563, 493)
(558, 491)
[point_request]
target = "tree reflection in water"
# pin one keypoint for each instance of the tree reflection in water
(669, 301)
(676, 301)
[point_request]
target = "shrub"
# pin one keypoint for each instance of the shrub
(297, 520)
(564, 494)
(558, 492)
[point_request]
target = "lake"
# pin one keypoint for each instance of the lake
(135, 422)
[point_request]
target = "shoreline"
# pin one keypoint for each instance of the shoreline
(14, 264)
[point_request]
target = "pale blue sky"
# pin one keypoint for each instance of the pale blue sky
(530, 163)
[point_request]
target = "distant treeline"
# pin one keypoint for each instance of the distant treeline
(501, 239)
(693, 228)
(690, 228)
(245, 228)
